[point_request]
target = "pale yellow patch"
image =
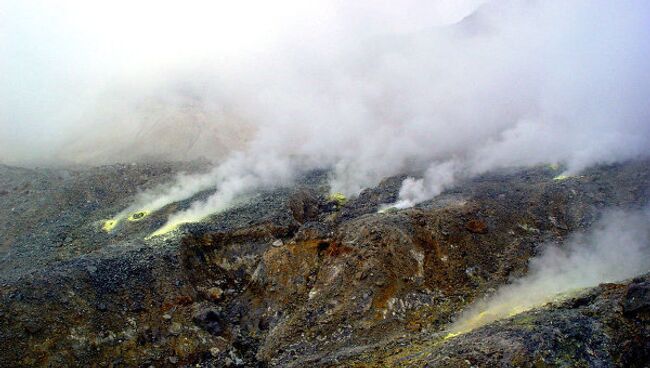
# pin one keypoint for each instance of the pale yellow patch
(339, 198)
(109, 225)
(139, 215)
(166, 229)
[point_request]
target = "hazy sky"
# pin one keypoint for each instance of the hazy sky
(267, 90)
(57, 57)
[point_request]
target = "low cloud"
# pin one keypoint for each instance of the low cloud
(361, 90)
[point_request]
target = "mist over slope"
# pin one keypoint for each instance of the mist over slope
(489, 85)
(291, 277)
(616, 248)
(325, 183)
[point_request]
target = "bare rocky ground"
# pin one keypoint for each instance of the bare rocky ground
(290, 278)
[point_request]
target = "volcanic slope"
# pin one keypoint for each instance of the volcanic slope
(291, 276)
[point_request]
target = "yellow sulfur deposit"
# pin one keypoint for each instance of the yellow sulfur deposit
(505, 308)
(109, 225)
(137, 216)
(452, 334)
(338, 197)
(167, 228)
(517, 309)
(478, 320)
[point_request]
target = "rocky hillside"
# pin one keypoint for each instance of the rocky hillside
(293, 277)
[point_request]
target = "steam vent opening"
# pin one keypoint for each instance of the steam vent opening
(109, 225)
(137, 216)
(165, 229)
(339, 199)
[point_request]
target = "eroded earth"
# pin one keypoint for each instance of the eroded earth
(292, 277)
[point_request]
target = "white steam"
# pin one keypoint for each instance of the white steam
(436, 178)
(617, 248)
(269, 90)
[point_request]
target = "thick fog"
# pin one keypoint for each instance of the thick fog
(269, 90)
(101, 82)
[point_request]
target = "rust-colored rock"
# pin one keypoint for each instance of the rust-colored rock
(346, 287)
(214, 293)
(476, 227)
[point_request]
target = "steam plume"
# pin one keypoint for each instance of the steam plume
(364, 90)
(617, 248)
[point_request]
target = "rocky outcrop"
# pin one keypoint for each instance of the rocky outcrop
(289, 279)
(594, 329)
